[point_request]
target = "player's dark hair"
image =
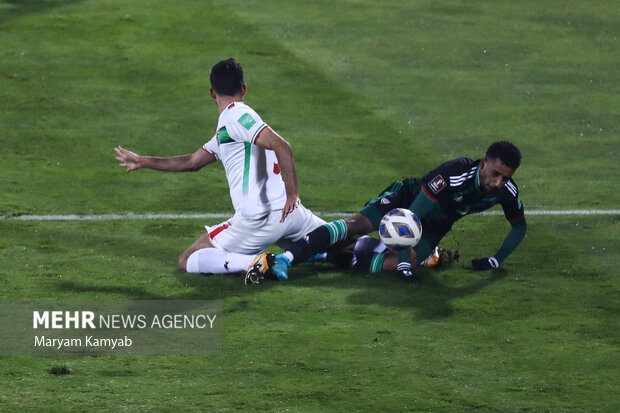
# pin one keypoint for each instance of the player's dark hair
(508, 153)
(227, 77)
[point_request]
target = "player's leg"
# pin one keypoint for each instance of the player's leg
(361, 223)
(367, 255)
(202, 242)
(431, 236)
(393, 261)
(209, 255)
(398, 195)
(284, 234)
(216, 261)
(329, 234)
(326, 235)
(319, 240)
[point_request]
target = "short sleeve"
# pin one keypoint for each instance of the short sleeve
(245, 126)
(511, 203)
(212, 147)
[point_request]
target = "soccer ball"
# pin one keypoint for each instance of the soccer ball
(400, 229)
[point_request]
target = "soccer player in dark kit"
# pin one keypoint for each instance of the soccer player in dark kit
(456, 188)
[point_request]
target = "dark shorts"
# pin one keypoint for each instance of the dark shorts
(400, 194)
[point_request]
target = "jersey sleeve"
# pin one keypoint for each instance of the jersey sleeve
(212, 147)
(437, 184)
(513, 239)
(514, 213)
(245, 126)
(511, 203)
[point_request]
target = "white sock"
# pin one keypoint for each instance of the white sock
(217, 261)
(289, 255)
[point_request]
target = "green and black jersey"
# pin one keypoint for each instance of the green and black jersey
(454, 189)
(445, 195)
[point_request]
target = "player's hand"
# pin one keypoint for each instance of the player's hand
(408, 276)
(484, 263)
(291, 204)
(127, 159)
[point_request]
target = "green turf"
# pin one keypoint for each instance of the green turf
(540, 334)
(366, 92)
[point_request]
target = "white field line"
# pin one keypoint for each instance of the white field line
(224, 215)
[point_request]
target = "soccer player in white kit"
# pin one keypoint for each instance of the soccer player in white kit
(261, 176)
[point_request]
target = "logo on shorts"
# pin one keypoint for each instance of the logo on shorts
(384, 201)
(437, 184)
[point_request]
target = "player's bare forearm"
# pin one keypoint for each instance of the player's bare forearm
(269, 139)
(181, 163)
(289, 175)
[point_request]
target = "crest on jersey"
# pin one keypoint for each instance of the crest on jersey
(437, 184)
(246, 121)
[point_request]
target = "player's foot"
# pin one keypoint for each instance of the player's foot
(441, 257)
(448, 257)
(433, 259)
(280, 269)
(260, 268)
(407, 276)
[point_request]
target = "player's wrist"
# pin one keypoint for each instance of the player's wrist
(485, 263)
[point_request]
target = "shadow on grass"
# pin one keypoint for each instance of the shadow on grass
(203, 287)
(432, 298)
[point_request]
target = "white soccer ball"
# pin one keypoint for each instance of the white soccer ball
(400, 229)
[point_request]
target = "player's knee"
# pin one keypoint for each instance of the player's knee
(182, 263)
(358, 224)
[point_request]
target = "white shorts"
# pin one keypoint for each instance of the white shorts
(251, 236)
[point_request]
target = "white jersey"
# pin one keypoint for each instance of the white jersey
(254, 179)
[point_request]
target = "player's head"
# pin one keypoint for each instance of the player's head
(498, 165)
(227, 78)
(506, 152)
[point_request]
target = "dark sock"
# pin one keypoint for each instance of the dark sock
(368, 261)
(318, 240)
(342, 259)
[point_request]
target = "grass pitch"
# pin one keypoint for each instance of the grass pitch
(366, 93)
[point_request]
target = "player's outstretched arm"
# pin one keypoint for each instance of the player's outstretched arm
(269, 139)
(181, 163)
(511, 242)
